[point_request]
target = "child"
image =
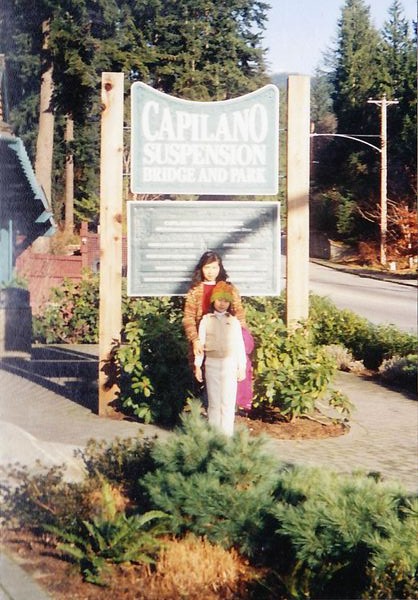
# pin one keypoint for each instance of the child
(224, 357)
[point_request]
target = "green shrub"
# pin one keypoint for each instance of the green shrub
(121, 462)
(118, 461)
(213, 486)
(97, 518)
(401, 371)
(290, 372)
(321, 534)
(367, 342)
(157, 379)
(71, 316)
(344, 535)
(15, 282)
(375, 343)
(324, 535)
(45, 498)
(392, 570)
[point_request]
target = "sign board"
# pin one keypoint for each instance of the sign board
(167, 238)
(228, 147)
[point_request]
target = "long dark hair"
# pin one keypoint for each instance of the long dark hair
(205, 259)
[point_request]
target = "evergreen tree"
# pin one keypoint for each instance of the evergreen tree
(202, 49)
(37, 40)
(399, 56)
(323, 121)
(366, 64)
(396, 48)
(357, 71)
(198, 49)
(21, 40)
(348, 167)
(322, 114)
(355, 79)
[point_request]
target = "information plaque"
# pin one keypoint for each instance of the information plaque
(167, 238)
(229, 147)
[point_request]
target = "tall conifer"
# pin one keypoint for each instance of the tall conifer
(400, 59)
(197, 49)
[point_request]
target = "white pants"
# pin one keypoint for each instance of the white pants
(221, 385)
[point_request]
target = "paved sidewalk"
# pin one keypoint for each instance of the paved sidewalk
(47, 404)
(46, 413)
(383, 435)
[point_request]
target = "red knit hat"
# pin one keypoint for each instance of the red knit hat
(222, 290)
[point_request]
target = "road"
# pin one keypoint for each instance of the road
(381, 302)
(378, 301)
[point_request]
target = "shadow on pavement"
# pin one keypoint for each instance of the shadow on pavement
(68, 372)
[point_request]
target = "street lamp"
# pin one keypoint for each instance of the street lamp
(383, 103)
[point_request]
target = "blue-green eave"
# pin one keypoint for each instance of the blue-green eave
(22, 199)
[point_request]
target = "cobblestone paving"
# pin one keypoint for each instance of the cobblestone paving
(40, 422)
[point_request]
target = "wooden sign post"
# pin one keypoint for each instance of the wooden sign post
(297, 253)
(111, 189)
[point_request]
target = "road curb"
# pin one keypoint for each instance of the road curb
(400, 280)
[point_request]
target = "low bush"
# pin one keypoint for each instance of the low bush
(45, 498)
(367, 342)
(110, 537)
(309, 532)
(72, 313)
(290, 372)
(156, 377)
(345, 535)
(213, 486)
(122, 463)
(401, 370)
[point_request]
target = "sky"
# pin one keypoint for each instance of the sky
(300, 31)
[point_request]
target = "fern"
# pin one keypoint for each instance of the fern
(111, 538)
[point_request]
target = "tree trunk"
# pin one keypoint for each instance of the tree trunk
(69, 175)
(45, 140)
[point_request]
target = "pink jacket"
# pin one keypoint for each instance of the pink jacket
(245, 388)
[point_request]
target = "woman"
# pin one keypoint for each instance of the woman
(209, 270)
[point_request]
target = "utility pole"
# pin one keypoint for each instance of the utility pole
(383, 103)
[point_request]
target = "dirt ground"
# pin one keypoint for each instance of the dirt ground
(299, 429)
(199, 572)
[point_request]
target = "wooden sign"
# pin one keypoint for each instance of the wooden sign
(186, 147)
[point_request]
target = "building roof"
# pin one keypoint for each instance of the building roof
(22, 199)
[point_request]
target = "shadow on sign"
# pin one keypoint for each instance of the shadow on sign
(166, 240)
